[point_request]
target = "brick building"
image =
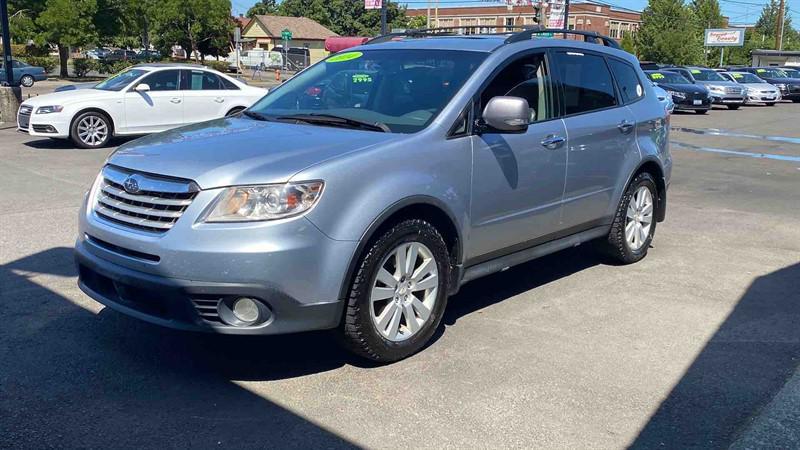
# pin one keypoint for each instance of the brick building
(585, 15)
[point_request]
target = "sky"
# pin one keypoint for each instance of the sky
(739, 11)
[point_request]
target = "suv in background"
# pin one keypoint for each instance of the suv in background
(363, 192)
(790, 87)
(722, 91)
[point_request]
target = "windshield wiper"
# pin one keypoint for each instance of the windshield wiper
(329, 119)
(255, 115)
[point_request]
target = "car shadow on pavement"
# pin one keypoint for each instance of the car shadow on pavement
(71, 378)
(66, 144)
(739, 371)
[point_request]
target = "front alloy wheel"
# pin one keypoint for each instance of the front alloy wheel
(404, 292)
(26, 81)
(91, 130)
(639, 218)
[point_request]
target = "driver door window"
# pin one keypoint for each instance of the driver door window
(159, 108)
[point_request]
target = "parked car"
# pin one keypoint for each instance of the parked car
(97, 53)
(722, 91)
(120, 55)
(148, 55)
(792, 72)
(686, 95)
(757, 90)
(24, 73)
(665, 98)
(364, 216)
(789, 87)
(142, 99)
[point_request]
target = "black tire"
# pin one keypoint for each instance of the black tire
(615, 245)
(733, 106)
(26, 81)
(770, 103)
(73, 129)
(234, 111)
(358, 332)
(700, 111)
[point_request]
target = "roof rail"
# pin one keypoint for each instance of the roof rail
(526, 32)
(588, 36)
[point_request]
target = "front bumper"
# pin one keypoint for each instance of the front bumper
(722, 99)
(45, 125)
(762, 97)
(691, 103)
(170, 279)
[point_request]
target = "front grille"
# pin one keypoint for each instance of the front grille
(733, 90)
(155, 206)
(24, 116)
(207, 309)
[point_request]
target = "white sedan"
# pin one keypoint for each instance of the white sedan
(143, 99)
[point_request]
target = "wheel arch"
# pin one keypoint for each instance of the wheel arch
(235, 109)
(423, 207)
(653, 167)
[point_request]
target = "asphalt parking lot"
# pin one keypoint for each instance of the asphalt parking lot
(696, 346)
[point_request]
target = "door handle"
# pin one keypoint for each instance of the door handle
(219, 99)
(553, 141)
(625, 127)
(175, 100)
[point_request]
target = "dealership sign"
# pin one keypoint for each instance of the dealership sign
(373, 4)
(556, 17)
(724, 37)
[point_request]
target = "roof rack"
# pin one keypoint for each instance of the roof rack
(524, 33)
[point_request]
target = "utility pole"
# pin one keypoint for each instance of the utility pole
(779, 25)
(6, 43)
(428, 23)
(383, 17)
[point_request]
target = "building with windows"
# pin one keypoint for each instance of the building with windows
(584, 15)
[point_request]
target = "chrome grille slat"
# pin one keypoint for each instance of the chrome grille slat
(108, 201)
(154, 206)
(132, 219)
(109, 189)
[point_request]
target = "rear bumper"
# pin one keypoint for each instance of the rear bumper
(172, 302)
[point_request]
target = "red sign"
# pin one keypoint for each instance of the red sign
(373, 4)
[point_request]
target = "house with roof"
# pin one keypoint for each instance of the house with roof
(265, 32)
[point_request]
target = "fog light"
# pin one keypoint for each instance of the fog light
(246, 309)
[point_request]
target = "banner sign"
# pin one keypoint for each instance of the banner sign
(556, 17)
(724, 37)
(373, 4)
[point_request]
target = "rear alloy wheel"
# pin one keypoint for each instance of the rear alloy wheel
(399, 293)
(26, 81)
(634, 223)
(91, 130)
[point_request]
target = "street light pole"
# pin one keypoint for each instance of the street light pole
(383, 17)
(6, 43)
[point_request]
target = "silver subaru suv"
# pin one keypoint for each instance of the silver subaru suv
(364, 191)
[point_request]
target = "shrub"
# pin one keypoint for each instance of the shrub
(17, 50)
(49, 63)
(113, 67)
(82, 66)
(221, 66)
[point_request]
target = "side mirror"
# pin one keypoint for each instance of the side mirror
(507, 114)
(142, 87)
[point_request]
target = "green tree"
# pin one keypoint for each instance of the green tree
(345, 17)
(628, 43)
(67, 23)
(22, 19)
(417, 22)
(669, 33)
(262, 8)
(708, 15)
(196, 25)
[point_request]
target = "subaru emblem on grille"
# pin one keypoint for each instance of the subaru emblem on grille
(131, 185)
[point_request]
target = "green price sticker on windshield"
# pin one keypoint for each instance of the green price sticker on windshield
(738, 75)
(362, 78)
(349, 56)
(657, 76)
(761, 70)
(695, 71)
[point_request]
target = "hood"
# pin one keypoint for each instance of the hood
(239, 151)
(719, 83)
(760, 86)
(685, 88)
(72, 87)
(70, 96)
(782, 80)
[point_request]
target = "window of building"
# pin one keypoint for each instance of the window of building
(509, 21)
(586, 80)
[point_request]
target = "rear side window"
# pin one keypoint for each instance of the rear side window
(228, 84)
(163, 80)
(200, 80)
(630, 88)
(585, 80)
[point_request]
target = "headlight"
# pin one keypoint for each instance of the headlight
(264, 202)
(679, 95)
(781, 86)
(716, 88)
(49, 109)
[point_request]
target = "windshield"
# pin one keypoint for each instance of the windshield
(668, 78)
(792, 73)
(401, 89)
(706, 75)
(771, 73)
(120, 80)
(740, 77)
